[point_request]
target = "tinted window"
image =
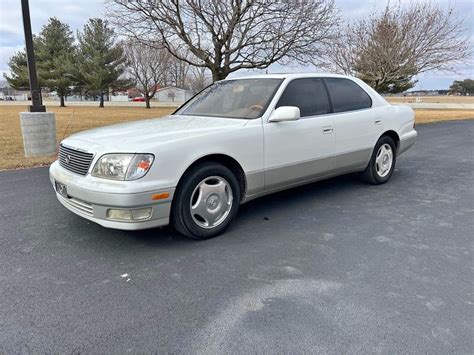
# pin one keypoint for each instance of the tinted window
(307, 94)
(346, 95)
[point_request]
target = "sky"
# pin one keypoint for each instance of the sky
(76, 14)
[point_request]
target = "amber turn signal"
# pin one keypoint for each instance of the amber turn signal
(160, 196)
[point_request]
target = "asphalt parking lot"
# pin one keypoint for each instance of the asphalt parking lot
(332, 267)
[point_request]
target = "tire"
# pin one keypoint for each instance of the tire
(206, 201)
(381, 166)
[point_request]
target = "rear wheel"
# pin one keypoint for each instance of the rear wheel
(382, 162)
(206, 201)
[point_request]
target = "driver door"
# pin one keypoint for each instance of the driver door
(301, 150)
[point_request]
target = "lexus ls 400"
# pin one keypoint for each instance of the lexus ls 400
(236, 140)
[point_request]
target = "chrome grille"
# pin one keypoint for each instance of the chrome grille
(74, 160)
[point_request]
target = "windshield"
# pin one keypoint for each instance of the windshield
(241, 98)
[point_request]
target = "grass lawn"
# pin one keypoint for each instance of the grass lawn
(78, 118)
(68, 120)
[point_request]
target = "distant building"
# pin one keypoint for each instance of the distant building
(16, 95)
(119, 98)
(9, 94)
(172, 94)
(426, 93)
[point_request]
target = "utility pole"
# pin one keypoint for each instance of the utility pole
(37, 104)
(38, 127)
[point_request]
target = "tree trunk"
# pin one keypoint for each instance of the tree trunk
(218, 74)
(61, 100)
(101, 100)
(147, 100)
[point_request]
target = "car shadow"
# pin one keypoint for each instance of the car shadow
(302, 194)
(252, 216)
(289, 199)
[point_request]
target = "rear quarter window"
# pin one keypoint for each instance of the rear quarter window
(346, 95)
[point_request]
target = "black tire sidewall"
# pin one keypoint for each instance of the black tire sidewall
(182, 213)
(384, 140)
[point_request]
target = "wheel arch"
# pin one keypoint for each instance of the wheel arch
(226, 160)
(389, 133)
(392, 134)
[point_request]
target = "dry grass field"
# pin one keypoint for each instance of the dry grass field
(431, 99)
(78, 118)
(437, 115)
(68, 120)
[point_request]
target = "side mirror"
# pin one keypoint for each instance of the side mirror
(285, 113)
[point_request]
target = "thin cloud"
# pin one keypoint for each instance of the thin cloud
(76, 15)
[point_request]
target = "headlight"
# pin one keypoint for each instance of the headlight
(122, 166)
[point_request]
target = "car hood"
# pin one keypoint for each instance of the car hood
(144, 135)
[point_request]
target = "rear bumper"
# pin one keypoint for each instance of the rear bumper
(407, 142)
(93, 205)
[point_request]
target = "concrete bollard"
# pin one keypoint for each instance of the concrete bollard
(39, 133)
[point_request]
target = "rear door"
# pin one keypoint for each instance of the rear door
(300, 150)
(356, 123)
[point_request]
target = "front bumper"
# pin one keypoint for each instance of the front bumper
(93, 204)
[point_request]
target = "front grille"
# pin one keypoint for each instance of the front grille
(74, 160)
(78, 205)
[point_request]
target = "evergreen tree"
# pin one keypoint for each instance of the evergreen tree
(101, 60)
(19, 72)
(54, 49)
(55, 52)
(462, 87)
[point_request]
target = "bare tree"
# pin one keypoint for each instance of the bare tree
(388, 49)
(227, 35)
(172, 95)
(147, 66)
(177, 72)
(198, 79)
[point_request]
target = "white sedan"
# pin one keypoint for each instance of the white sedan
(237, 140)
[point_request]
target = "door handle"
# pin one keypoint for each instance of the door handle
(328, 130)
(378, 121)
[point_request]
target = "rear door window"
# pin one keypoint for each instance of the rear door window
(308, 94)
(346, 95)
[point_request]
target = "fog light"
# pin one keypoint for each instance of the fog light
(141, 214)
(129, 215)
(125, 215)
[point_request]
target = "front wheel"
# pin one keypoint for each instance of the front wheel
(382, 162)
(206, 201)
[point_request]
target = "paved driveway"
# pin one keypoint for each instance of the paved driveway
(337, 266)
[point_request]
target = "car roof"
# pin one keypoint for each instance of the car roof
(377, 100)
(289, 76)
